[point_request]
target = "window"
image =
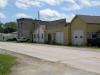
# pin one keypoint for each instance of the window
(38, 36)
(34, 36)
(42, 36)
(34, 25)
(21, 25)
(49, 37)
(94, 36)
(54, 36)
(18, 25)
(76, 37)
(91, 35)
(81, 36)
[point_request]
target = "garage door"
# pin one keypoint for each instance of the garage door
(59, 37)
(77, 37)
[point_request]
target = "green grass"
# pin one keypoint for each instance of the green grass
(6, 62)
(9, 41)
(12, 41)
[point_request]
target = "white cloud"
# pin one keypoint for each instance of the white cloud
(34, 3)
(21, 5)
(81, 4)
(90, 3)
(49, 14)
(69, 17)
(22, 15)
(3, 3)
(2, 16)
(96, 3)
(73, 7)
(24, 4)
(85, 2)
(56, 2)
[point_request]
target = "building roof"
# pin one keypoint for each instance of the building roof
(56, 24)
(60, 20)
(90, 19)
(39, 23)
(24, 19)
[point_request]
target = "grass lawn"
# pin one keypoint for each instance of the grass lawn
(6, 62)
(12, 41)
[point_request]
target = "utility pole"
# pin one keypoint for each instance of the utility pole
(38, 15)
(38, 24)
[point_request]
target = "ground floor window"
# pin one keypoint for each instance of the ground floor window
(34, 36)
(91, 35)
(49, 37)
(93, 38)
(42, 35)
(54, 36)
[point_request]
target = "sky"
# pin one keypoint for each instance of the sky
(10, 10)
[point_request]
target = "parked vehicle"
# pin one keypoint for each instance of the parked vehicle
(22, 39)
(95, 41)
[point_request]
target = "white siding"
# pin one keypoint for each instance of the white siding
(59, 37)
(39, 35)
(7, 36)
(77, 37)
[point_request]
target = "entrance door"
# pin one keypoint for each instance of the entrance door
(77, 37)
(59, 37)
(49, 38)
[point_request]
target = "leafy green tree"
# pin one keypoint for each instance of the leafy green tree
(10, 27)
(1, 27)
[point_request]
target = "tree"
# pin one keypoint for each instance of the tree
(10, 27)
(1, 27)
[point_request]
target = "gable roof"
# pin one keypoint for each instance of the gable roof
(90, 19)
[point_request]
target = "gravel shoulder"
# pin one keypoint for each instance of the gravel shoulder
(27, 65)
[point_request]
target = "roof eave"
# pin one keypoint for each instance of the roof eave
(93, 23)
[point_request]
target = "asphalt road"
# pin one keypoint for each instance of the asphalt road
(84, 59)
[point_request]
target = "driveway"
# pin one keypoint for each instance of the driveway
(27, 65)
(84, 59)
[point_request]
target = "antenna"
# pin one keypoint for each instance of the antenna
(38, 15)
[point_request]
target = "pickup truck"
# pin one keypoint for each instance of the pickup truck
(94, 41)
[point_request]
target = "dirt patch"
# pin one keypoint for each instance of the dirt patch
(27, 65)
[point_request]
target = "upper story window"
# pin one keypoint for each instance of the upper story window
(34, 25)
(21, 25)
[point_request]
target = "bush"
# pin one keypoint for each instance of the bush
(14, 39)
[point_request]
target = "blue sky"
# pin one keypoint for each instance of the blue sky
(10, 10)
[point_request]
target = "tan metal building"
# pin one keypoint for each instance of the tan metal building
(82, 28)
(55, 31)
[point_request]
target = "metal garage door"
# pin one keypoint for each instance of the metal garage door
(77, 37)
(59, 37)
